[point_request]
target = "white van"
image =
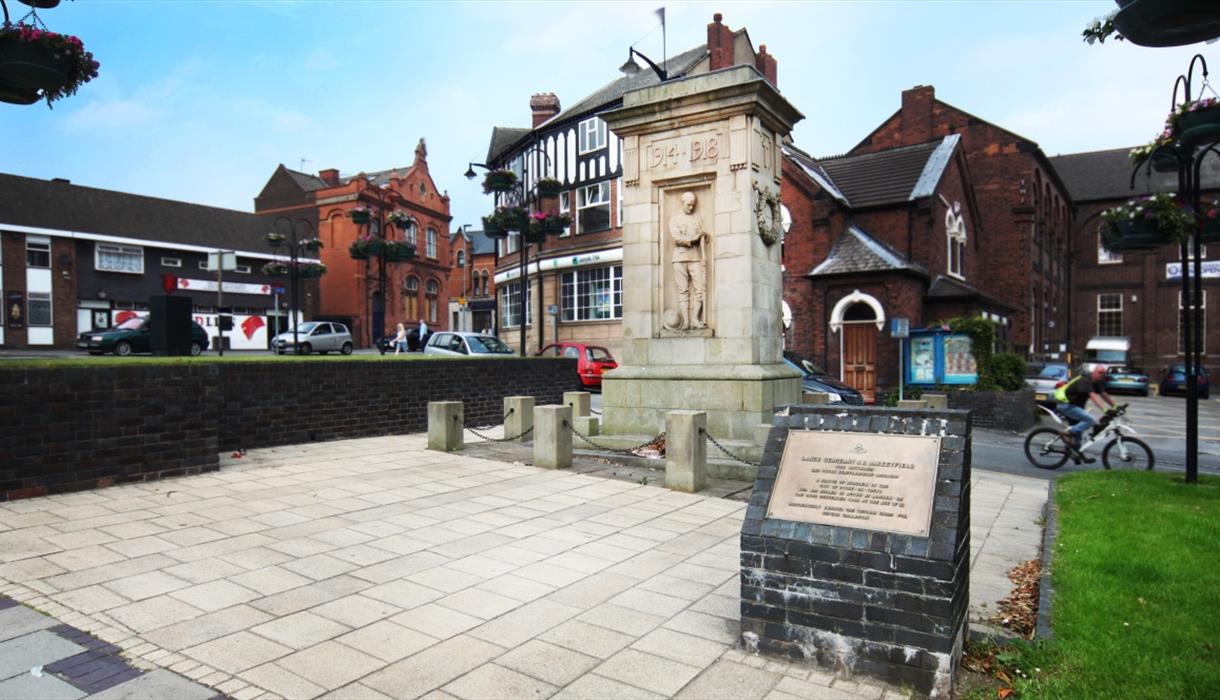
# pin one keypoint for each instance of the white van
(1107, 352)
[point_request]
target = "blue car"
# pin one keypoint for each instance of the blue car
(1121, 379)
(1174, 381)
(814, 380)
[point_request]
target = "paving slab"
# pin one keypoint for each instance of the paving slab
(157, 684)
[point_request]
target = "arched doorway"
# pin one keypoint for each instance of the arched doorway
(858, 318)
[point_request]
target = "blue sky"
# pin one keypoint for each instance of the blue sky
(200, 100)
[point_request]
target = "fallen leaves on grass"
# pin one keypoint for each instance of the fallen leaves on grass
(1019, 610)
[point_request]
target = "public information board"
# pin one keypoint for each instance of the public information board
(884, 483)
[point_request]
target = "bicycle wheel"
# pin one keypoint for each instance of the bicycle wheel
(1139, 455)
(1044, 448)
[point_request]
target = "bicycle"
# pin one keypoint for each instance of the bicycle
(1046, 448)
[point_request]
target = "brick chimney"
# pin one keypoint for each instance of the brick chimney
(544, 105)
(330, 176)
(719, 44)
(917, 114)
(765, 63)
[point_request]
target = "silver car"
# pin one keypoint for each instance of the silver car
(315, 336)
(466, 345)
(1048, 378)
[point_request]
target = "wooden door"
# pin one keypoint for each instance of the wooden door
(860, 358)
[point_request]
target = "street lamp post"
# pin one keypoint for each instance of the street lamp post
(294, 260)
(380, 219)
(526, 195)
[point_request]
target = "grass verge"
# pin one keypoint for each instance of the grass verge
(1135, 575)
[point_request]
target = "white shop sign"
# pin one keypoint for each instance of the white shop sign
(1211, 270)
(230, 287)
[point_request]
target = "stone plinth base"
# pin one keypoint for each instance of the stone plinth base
(735, 398)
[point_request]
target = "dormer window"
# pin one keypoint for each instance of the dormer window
(592, 134)
(955, 234)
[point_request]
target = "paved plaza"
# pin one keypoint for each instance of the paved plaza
(373, 568)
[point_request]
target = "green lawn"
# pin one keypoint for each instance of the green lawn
(1136, 609)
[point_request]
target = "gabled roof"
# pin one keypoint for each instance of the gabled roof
(503, 139)
(810, 166)
(62, 206)
(892, 176)
(856, 252)
(1106, 175)
(480, 244)
(307, 182)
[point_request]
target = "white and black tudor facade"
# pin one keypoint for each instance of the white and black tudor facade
(578, 277)
(74, 259)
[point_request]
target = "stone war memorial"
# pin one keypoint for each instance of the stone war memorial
(856, 544)
(701, 257)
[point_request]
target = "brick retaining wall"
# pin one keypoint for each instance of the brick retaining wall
(1002, 410)
(67, 429)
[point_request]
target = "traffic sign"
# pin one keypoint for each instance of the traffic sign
(278, 290)
(900, 327)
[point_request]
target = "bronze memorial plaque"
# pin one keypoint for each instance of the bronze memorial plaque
(861, 480)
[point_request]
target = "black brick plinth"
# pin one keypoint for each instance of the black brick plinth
(68, 429)
(880, 604)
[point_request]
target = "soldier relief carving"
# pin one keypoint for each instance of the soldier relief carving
(688, 262)
(767, 211)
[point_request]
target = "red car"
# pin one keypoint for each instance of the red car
(591, 361)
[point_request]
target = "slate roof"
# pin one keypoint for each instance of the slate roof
(948, 288)
(504, 138)
(857, 252)
(814, 170)
(307, 182)
(884, 177)
(480, 244)
(62, 206)
(1105, 175)
(378, 178)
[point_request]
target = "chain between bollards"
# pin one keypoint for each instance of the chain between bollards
(725, 450)
(619, 450)
(476, 432)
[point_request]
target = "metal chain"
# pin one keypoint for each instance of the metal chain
(476, 432)
(626, 451)
(725, 450)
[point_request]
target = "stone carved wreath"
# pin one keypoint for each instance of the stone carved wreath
(767, 211)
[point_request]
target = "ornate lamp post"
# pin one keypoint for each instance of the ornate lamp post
(376, 243)
(293, 268)
(513, 214)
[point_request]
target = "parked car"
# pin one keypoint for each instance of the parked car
(591, 361)
(315, 336)
(454, 344)
(1123, 379)
(814, 380)
(1173, 381)
(1049, 378)
(133, 336)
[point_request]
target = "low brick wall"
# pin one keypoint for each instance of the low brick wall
(67, 429)
(1002, 410)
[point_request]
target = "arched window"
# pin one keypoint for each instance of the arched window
(431, 250)
(410, 292)
(411, 234)
(486, 287)
(955, 232)
(431, 291)
(461, 258)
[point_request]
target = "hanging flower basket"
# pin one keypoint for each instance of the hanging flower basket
(34, 59)
(1139, 234)
(1147, 222)
(499, 181)
(400, 219)
(275, 269)
(543, 224)
(1164, 163)
(366, 247)
(312, 244)
(360, 215)
(16, 94)
(549, 187)
(398, 251)
(492, 228)
(1197, 121)
(308, 270)
(275, 240)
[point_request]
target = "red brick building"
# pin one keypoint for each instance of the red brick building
(1137, 295)
(351, 289)
(472, 288)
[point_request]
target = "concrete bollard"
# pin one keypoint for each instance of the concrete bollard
(685, 451)
(520, 412)
(815, 397)
(937, 401)
(912, 403)
(588, 425)
(445, 426)
(580, 402)
(552, 439)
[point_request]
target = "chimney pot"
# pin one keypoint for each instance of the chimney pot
(330, 176)
(543, 106)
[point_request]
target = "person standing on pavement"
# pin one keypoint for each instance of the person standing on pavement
(1073, 396)
(423, 333)
(400, 339)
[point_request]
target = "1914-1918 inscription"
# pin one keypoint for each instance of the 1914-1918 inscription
(872, 482)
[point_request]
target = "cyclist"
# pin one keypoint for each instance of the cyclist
(1072, 397)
